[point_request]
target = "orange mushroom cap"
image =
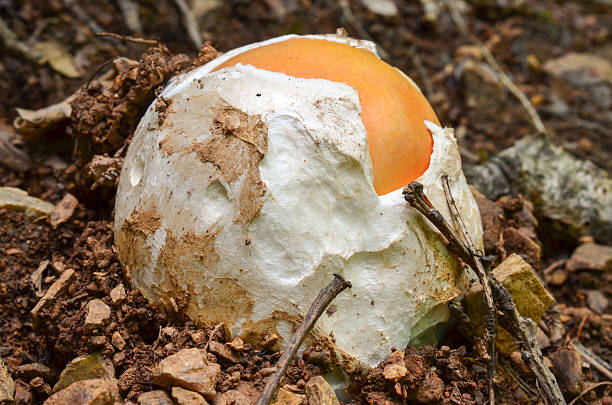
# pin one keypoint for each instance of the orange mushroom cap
(393, 109)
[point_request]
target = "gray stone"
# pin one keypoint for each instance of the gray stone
(574, 194)
(188, 369)
(591, 256)
(597, 301)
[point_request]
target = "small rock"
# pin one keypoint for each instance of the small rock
(236, 344)
(87, 392)
(319, 392)
(269, 341)
(531, 298)
(580, 69)
(557, 277)
(597, 301)
(567, 367)
(58, 287)
(7, 385)
(118, 341)
(394, 372)
(517, 360)
(542, 338)
(245, 393)
(118, 359)
(118, 294)
(63, 210)
(98, 314)
(286, 397)
(221, 351)
(591, 256)
(31, 370)
(188, 369)
(157, 397)
(93, 366)
(15, 199)
(40, 387)
(431, 390)
(185, 397)
(58, 267)
(386, 8)
(23, 396)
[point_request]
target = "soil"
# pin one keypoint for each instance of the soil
(487, 119)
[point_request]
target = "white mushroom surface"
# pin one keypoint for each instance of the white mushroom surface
(244, 190)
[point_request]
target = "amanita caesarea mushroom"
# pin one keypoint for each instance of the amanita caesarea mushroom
(252, 179)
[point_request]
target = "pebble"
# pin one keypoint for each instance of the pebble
(185, 397)
(286, 397)
(319, 392)
(31, 370)
(157, 397)
(7, 385)
(221, 351)
(597, 301)
(92, 366)
(63, 210)
(118, 340)
(98, 314)
(188, 369)
(431, 390)
(58, 287)
(591, 256)
(87, 392)
(567, 367)
(118, 294)
(394, 372)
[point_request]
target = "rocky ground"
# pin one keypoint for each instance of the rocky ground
(71, 327)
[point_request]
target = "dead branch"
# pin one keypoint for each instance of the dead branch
(326, 295)
(599, 364)
(523, 329)
(491, 331)
(14, 45)
(591, 388)
(128, 38)
(504, 78)
(191, 24)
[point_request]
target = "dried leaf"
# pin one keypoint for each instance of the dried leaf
(59, 59)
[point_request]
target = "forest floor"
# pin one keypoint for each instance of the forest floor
(557, 52)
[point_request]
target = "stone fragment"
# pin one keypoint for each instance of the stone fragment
(118, 340)
(188, 369)
(286, 397)
(245, 393)
(7, 385)
(98, 315)
(221, 351)
(37, 276)
(567, 367)
(157, 397)
(319, 392)
(23, 396)
(386, 8)
(591, 256)
(394, 372)
(531, 298)
(93, 366)
(237, 344)
(58, 287)
(430, 390)
(580, 69)
(185, 397)
(573, 194)
(31, 370)
(86, 392)
(15, 199)
(597, 301)
(63, 210)
(118, 294)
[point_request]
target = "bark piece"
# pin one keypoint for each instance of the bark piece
(63, 210)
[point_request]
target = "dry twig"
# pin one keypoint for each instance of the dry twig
(591, 388)
(503, 77)
(129, 38)
(599, 364)
(523, 329)
(191, 24)
(14, 45)
(491, 332)
(326, 295)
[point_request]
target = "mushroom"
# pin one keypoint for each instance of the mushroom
(253, 178)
